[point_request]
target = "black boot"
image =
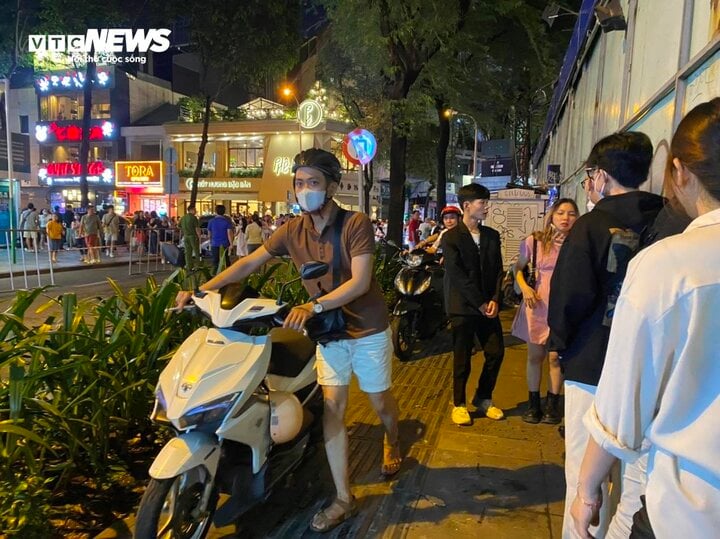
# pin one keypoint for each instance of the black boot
(552, 413)
(534, 411)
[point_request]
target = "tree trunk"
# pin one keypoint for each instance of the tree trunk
(442, 146)
(398, 148)
(86, 121)
(201, 151)
(367, 186)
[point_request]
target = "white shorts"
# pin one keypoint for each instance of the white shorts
(370, 358)
(110, 237)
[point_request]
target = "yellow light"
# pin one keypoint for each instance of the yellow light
(287, 91)
(448, 113)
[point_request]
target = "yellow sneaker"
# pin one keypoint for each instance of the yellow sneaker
(461, 416)
(490, 410)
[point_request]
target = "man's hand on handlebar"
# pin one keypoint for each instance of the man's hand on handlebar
(182, 299)
(298, 316)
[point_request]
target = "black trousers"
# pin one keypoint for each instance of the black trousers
(489, 333)
(216, 257)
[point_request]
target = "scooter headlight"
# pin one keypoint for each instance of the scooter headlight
(400, 284)
(414, 260)
(159, 413)
(423, 286)
(207, 413)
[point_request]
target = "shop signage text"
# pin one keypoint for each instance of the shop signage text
(138, 173)
(217, 184)
(72, 80)
(69, 173)
(282, 165)
(71, 131)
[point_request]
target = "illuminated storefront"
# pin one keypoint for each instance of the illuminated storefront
(59, 134)
(141, 186)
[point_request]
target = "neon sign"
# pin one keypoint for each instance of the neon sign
(72, 80)
(282, 165)
(71, 131)
(69, 173)
(138, 173)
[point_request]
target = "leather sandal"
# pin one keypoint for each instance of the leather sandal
(322, 523)
(392, 460)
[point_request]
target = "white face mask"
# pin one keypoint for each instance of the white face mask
(311, 201)
(589, 205)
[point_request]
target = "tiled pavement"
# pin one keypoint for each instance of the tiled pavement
(494, 479)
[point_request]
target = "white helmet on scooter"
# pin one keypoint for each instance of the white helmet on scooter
(286, 416)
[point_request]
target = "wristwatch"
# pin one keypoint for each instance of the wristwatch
(317, 306)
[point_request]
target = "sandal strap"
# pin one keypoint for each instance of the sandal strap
(345, 506)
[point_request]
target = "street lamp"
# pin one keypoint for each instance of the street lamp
(288, 92)
(449, 113)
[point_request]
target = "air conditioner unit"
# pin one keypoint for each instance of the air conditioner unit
(610, 16)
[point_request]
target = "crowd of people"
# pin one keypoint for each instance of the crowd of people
(620, 301)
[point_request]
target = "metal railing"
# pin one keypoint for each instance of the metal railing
(145, 250)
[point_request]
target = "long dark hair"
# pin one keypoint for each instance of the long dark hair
(696, 144)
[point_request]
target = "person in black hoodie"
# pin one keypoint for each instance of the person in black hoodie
(473, 276)
(617, 165)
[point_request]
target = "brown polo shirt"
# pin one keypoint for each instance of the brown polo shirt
(298, 238)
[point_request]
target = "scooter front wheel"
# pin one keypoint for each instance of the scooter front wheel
(404, 335)
(170, 508)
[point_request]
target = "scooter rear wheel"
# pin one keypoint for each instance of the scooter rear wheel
(404, 335)
(169, 507)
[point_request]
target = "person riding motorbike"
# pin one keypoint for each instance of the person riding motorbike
(450, 216)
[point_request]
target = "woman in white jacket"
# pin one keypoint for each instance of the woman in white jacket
(660, 387)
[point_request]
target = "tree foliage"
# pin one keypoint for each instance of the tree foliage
(253, 43)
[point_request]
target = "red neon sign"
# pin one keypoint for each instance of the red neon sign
(95, 168)
(73, 133)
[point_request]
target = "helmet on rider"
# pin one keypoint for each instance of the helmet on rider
(450, 209)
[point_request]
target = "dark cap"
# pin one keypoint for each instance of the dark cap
(320, 160)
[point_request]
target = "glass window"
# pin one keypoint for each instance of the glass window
(243, 155)
(24, 124)
(190, 157)
(65, 154)
(70, 106)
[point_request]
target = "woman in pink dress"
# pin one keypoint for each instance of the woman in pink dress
(530, 322)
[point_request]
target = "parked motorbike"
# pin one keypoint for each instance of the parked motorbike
(242, 407)
(419, 312)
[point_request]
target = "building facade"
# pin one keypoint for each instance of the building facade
(644, 78)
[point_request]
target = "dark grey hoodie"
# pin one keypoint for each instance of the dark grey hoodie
(580, 282)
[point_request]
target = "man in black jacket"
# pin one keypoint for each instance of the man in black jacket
(473, 275)
(580, 286)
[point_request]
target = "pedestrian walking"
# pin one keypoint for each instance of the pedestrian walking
(111, 229)
(190, 228)
(473, 275)
(365, 347)
(90, 227)
(658, 393)
(253, 234)
(221, 230)
(55, 233)
(580, 298)
(540, 250)
(30, 226)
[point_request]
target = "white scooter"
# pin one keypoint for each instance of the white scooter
(240, 406)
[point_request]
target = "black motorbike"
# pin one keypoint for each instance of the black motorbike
(419, 312)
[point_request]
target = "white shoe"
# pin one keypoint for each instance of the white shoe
(112, 255)
(461, 416)
(490, 410)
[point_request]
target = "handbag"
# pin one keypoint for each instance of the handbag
(329, 325)
(512, 295)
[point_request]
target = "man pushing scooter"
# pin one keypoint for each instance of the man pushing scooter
(353, 311)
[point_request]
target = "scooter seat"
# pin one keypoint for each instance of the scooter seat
(291, 352)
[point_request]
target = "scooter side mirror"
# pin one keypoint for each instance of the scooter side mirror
(313, 270)
(391, 243)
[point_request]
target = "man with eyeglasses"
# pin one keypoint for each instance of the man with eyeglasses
(591, 195)
(580, 287)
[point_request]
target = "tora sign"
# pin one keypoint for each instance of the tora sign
(138, 173)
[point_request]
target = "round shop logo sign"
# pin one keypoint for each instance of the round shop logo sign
(310, 114)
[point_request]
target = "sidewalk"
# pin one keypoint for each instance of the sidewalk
(494, 479)
(67, 260)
